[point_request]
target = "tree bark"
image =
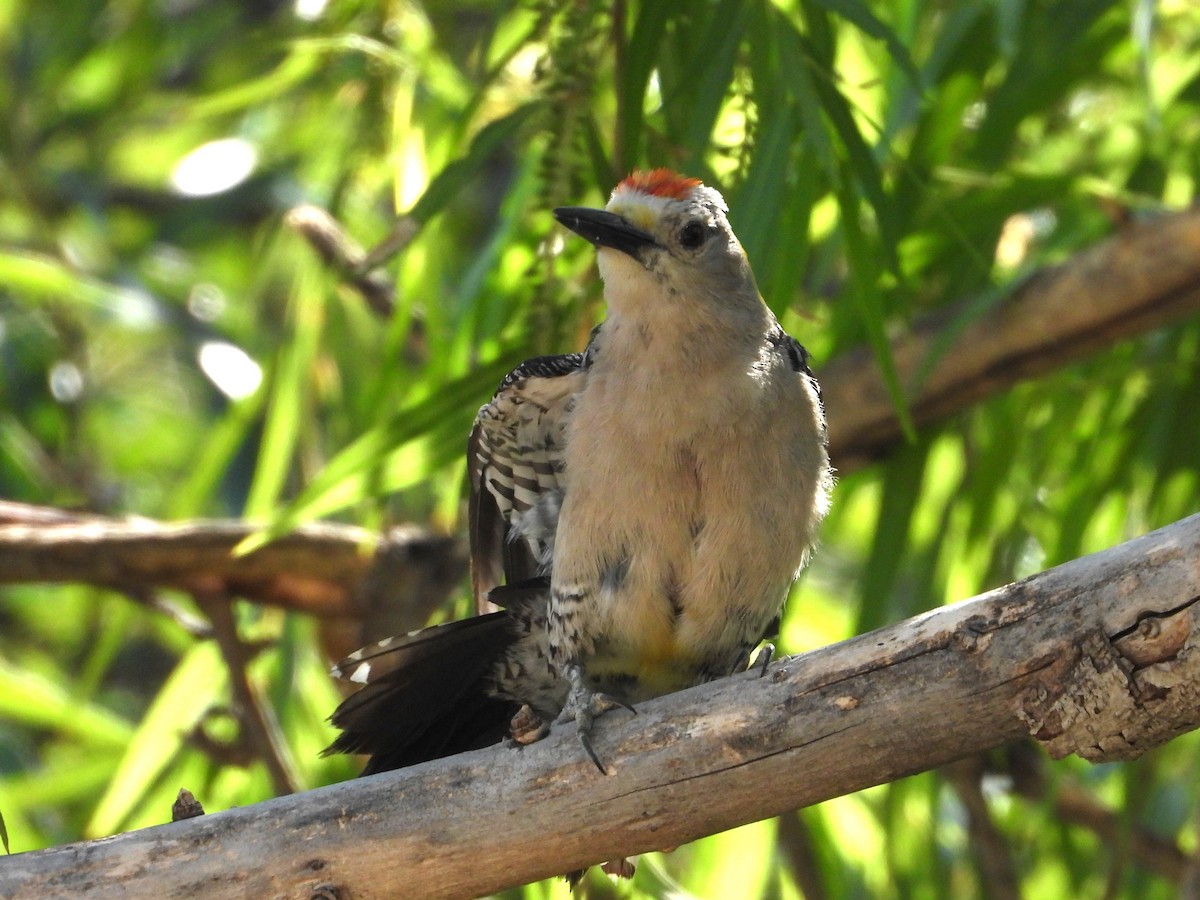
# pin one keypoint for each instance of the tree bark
(1144, 276)
(361, 585)
(1099, 656)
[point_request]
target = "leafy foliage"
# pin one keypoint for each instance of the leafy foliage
(169, 348)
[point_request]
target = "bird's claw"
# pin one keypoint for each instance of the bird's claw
(585, 716)
(583, 706)
(765, 654)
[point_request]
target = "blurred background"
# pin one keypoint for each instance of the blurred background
(172, 348)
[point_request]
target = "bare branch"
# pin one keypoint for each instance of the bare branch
(1063, 655)
(340, 251)
(1145, 276)
(361, 585)
(320, 568)
(259, 728)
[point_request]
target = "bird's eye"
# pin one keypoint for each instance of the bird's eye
(692, 235)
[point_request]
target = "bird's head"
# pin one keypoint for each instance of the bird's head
(664, 240)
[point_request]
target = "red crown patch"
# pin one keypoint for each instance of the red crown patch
(660, 183)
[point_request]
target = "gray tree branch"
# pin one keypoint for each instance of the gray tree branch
(1099, 656)
(1144, 276)
(342, 575)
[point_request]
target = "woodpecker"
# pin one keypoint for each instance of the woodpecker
(638, 510)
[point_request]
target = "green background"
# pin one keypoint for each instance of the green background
(873, 155)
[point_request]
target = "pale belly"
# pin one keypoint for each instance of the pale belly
(688, 570)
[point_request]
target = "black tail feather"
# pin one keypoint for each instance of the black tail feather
(425, 695)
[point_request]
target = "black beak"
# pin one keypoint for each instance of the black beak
(605, 229)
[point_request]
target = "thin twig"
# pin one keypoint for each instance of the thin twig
(345, 255)
(259, 725)
(997, 874)
(152, 599)
(795, 840)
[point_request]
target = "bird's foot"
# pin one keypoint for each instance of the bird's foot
(583, 706)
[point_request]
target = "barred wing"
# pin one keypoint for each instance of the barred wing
(515, 465)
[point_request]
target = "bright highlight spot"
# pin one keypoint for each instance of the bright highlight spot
(214, 167)
(230, 368)
(310, 10)
(206, 302)
(66, 382)
(135, 309)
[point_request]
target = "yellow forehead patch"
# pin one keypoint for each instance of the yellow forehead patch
(634, 212)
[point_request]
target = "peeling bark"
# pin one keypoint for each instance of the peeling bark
(1122, 693)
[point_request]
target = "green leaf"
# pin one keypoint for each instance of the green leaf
(796, 61)
(41, 703)
(458, 174)
(641, 57)
(789, 255)
(345, 477)
(197, 683)
(297, 66)
(214, 458)
(756, 207)
(289, 385)
(707, 74)
(860, 14)
(868, 178)
(867, 296)
(33, 276)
